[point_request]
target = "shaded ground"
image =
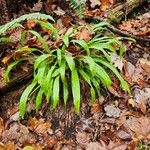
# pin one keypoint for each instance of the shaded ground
(116, 121)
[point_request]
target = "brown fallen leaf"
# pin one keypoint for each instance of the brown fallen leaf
(120, 147)
(39, 126)
(142, 106)
(137, 27)
(18, 133)
(82, 139)
(50, 141)
(95, 108)
(145, 64)
(117, 61)
(7, 146)
(59, 11)
(116, 145)
(84, 34)
(105, 4)
(95, 146)
(37, 6)
(66, 21)
(141, 128)
(31, 23)
(141, 98)
(138, 74)
(48, 6)
(59, 144)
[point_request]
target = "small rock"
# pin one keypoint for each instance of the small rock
(112, 111)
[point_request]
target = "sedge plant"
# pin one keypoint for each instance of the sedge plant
(58, 71)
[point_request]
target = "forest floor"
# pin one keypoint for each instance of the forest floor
(116, 121)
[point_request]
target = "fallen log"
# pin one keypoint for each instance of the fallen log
(119, 12)
(116, 14)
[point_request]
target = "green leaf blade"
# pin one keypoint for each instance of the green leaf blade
(39, 100)
(75, 89)
(24, 98)
(56, 97)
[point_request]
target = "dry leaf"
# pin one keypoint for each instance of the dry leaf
(16, 34)
(95, 3)
(18, 133)
(105, 4)
(31, 23)
(141, 97)
(95, 107)
(117, 61)
(116, 145)
(112, 111)
(141, 128)
(39, 126)
(138, 74)
(59, 12)
(84, 34)
(137, 27)
(131, 102)
(8, 146)
(142, 106)
(48, 6)
(82, 139)
(38, 6)
(95, 146)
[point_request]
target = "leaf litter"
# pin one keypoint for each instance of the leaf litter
(113, 123)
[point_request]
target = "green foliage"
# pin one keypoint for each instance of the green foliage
(143, 146)
(16, 22)
(6, 40)
(78, 6)
(28, 148)
(59, 72)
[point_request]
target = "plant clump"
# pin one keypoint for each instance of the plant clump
(63, 62)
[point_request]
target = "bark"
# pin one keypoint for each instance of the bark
(119, 12)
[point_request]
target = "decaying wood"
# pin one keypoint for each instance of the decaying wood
(116, 14)
(119, 12)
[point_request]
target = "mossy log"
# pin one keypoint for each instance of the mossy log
(119, 12)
